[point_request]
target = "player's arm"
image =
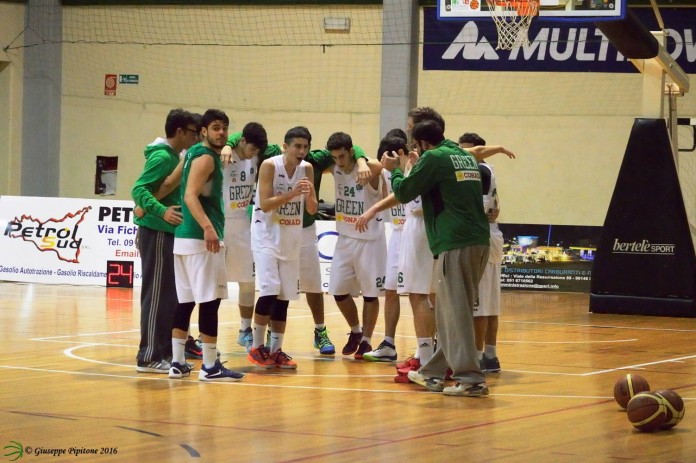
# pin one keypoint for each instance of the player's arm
(148, 182)
(268, 202)
(311, 203)
(381, 205)
(226, 153)
(201, 169)
(375, 172)
(171, 181)
(421, 179)
(483, 152)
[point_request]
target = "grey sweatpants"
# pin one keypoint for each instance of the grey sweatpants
(458, 273)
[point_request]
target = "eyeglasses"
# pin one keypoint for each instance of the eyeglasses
(195, 132)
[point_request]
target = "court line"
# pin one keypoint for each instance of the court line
(600, 326)
(640, 365)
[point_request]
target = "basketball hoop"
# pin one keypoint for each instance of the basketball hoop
(512, 19)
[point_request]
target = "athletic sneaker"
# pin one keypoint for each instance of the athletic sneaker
(261, 357)
(412, 364)
(156, 366)
(407, 363)
(489, 365)
(385, 352)
(431, 384)
(467, 390)
(448, 374)
(199, 343)
(245, 339)
(192, 350)
(322, 342)
(363, 348)
(218, 373)
(283, 360)
(353, 343)
(178, 371)
(401, 378)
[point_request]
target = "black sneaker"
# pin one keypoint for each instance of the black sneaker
(490, 365)
(353, 343)
(178, 371)
(219, 373)
(192, 350)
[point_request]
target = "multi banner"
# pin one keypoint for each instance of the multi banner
(556, 45)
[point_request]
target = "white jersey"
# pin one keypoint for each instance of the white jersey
(279, 232)
(239, 178)
(397, 214)
(352, 200)
(415, 207)
(490, 203)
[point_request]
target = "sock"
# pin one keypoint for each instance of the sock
(319, 326)
(368, 340)
(245, 323)
(491, 351)
(390, 340)
(209, 354)
(276, 341)
(178, 350)
(425, 349)
(356, 329)
(259, 333)
(479, 354)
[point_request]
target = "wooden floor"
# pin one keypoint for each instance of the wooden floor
(69, 382)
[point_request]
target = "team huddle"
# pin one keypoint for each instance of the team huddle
(214, 207)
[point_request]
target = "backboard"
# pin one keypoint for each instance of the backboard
(575, 10)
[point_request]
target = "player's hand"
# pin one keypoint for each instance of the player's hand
(139, 212)
(413, 157)
(390, 161)
(508, 153)
(173, 215)
(212, 242)
(226, 155)
(493, 215)
(364, 174)
(361, 224)
(303, 187)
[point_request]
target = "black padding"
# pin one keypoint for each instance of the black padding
(630, 37)
(645, 261)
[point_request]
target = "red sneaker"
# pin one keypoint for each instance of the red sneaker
(448, 374)
(410, 364)
(401, 379)
(261, 357)
(363, 348)
(283, 360)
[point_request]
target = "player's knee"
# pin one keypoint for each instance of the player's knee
(279, 311)
(246, 294)
(264, 305)
(182, 316)
(341, 297)
(208, 323)
(369, 299)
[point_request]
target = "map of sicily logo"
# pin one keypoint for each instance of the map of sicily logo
(59, 235)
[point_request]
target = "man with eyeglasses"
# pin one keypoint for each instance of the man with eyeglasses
(156, 240)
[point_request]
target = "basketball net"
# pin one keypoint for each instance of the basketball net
(512, 19)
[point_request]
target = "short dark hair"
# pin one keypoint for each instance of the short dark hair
(339, 140)
(396, 133)
(298, 132)
(178, 119)
(426, 113)
(472, 138)
(429, 131)
(212, 115)
(255, 134)
(199, 121)
(391, 143)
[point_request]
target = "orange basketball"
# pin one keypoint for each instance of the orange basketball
(474, 4)
(628, 386)
(646, 411)
(674, 407)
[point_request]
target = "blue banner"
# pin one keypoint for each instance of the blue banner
(555, 46)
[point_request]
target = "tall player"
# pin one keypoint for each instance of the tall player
(359, 258)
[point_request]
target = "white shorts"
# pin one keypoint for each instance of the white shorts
(278, 277)
(416, 261)
(488, 303)
(200, 277)
(239, 258)
(310, 270)
(358, 264)
(393, 252)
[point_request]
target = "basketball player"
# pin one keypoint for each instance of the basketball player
(156, 241)
(239, 180)
(284, 190)
(359, 258)
(198, 260)
(487, 307)
(448, 180)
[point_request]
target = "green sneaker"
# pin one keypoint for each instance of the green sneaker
(322, 342)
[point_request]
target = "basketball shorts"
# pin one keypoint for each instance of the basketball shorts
(239, 258)
(488, 304)
(416, 263)
(310, 270)
(358, 264)
(392, 271)
(200, 277)
(278, 277)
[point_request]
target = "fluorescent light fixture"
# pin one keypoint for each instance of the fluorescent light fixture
(336, 24)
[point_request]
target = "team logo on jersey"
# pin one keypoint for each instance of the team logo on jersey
(464, 175)
(358, 187)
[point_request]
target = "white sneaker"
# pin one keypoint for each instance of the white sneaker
(431, 384)
(467, 390)
(385, 352)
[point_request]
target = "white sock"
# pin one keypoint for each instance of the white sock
(209, 354)
(368, 340)
(178, 346)
(390, 340)
(245, 323)
(490, 350)
(425, 350)
(259, 333)
(479, 354)
(356, 329)
(319, 326)
(276, 341)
